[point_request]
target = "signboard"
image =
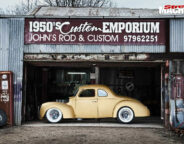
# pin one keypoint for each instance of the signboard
(94, 31)
(4, 85)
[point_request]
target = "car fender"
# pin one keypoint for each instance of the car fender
(138, 108)
(66, 110)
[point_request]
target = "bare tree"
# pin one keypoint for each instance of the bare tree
(78, 3)
(22, 8)
(26, 5)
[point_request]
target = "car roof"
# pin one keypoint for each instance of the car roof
(94, 86)
(97, 86)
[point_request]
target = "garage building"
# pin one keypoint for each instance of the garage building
(136, 52)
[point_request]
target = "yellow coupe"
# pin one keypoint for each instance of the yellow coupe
(94, 101)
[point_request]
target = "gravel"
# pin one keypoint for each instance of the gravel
(87, 135)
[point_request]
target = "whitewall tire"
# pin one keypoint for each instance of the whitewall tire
(125, 115)
(54, 115)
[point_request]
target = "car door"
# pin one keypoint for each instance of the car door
(106, 103)
(86, 104)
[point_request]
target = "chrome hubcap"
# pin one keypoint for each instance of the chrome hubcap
(125, 114)
(54, 114)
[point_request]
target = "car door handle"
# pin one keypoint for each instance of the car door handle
(94, 100)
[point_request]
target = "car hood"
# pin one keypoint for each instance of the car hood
(53, 104)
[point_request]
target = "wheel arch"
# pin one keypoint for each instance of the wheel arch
(138, 108)
(67, 111)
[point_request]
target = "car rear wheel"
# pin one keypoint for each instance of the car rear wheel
(3, 118)
(54, 115)
(125, 115)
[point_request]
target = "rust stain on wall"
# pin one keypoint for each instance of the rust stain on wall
(86, 57)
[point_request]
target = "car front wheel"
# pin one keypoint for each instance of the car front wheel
(54, 115)
(125, 115)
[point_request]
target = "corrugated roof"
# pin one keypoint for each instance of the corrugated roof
(68, 12)
(62, 12)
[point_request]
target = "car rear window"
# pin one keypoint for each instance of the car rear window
(102, 93)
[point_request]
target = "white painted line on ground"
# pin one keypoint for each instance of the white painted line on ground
(93, 125)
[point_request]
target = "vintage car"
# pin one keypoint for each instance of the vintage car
(94, 101)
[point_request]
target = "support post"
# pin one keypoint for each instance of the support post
(97, 75)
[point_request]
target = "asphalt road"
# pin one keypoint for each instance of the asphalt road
(87, 135)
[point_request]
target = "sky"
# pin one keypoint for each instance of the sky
(4, 4)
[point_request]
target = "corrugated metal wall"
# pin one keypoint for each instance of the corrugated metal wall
(16, 63)
(177, 35)
(94, 49)
(4, 44)
(11, 57)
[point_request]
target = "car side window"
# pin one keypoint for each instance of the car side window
(87, 93)
(102, 93)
